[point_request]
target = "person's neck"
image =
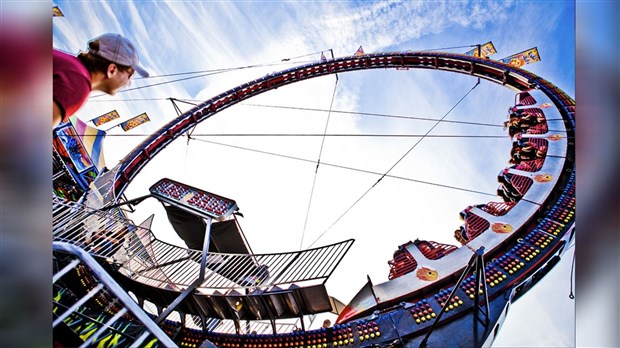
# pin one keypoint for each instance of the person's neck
(96, 80)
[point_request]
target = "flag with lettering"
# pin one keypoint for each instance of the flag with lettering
(486, 50)
(135, 122)
(522, 58)
(107, 117)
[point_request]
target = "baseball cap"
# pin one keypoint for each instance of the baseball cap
(117, 49)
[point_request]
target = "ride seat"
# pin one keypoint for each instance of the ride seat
(433, 250)
(402, 263)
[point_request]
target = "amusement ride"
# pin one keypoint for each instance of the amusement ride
(116, 284)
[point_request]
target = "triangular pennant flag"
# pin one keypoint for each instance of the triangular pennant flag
(323, 59)
(359, 52)
(56, 12)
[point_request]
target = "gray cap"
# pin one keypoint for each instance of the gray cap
(117, 49)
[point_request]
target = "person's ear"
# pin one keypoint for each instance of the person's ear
(112, 69)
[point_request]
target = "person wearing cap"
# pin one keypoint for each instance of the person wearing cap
(107, 66)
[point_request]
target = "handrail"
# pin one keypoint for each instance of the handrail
(146, 259)
(107, 281)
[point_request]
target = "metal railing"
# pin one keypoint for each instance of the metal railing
(179, 267)
(144, 258)
(105, 284)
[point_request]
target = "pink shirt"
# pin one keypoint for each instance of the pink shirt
(72, 83)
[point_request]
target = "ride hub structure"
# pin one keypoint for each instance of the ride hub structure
(117, 285)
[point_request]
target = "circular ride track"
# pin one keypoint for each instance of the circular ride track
(458, 298)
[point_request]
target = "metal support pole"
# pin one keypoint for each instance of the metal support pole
(272, 319)
(205, 248)
(197, 282)
(470, 264)
(481, 279)
(372, 290)
(129, 202)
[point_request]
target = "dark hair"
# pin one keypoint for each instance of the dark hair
(513, 130)
(95, 63)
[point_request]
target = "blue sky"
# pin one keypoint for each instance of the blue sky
(176, 37)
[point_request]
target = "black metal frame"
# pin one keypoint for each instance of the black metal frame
(477, 264)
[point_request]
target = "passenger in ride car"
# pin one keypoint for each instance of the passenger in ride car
(521, 121)
(525, 151)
